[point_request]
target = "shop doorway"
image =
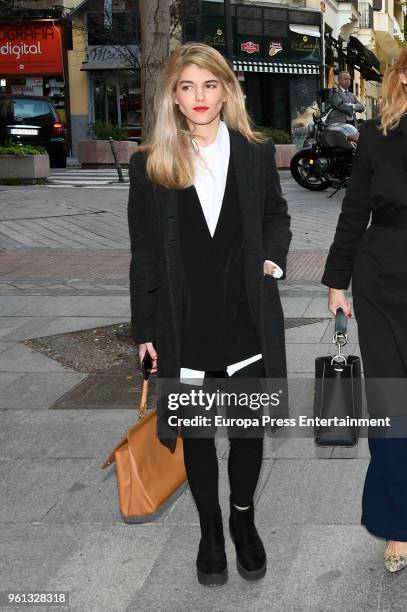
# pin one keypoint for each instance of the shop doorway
(115, 98)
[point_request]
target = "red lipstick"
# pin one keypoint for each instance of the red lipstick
(200, 109)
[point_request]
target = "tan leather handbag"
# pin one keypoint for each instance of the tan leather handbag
(149, 476)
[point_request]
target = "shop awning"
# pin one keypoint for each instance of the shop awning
(276, 67)
(108, 65)
(364, 60)
(361, 55)
(80, 7)
(307, 30)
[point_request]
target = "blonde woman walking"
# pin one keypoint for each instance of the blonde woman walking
(209, 235)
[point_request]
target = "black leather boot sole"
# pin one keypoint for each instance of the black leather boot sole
(213, 579)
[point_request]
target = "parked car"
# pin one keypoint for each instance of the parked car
(33, 120)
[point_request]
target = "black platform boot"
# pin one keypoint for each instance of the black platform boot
(211, 562)
(251, 560)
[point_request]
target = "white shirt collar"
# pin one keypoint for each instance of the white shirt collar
(211, 167)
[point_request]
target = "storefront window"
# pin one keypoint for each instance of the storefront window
(130, 98)
(105, 98)
(111, 96)
(117, 97)
(99, 99)
(303, 103)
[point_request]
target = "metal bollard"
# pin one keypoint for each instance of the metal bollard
(116, 161)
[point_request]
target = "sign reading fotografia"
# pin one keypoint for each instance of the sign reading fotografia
(30, 48)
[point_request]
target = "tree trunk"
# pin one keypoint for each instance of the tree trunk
(155, 37)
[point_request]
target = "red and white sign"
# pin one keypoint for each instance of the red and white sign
(250, 47)
(30, 48)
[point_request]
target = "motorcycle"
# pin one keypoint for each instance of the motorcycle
(327, 155)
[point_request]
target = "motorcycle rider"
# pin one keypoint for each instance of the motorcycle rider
(344, 103)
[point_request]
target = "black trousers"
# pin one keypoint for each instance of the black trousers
(244, 461)
(384, 501)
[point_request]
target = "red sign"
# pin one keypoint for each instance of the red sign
(30, 48)
(250, 47)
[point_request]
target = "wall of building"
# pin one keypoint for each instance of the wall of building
(78, 81)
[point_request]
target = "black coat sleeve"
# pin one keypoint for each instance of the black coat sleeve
(353, 219)
(276, 220)
(143, 231)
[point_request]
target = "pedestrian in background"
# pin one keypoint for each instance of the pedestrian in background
(376, 260)
(209, 234)
(344, 103)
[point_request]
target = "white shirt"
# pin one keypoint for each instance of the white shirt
(210, 182)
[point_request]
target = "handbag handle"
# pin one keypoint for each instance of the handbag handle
(143, 399)
(144, 391)
(340, 338)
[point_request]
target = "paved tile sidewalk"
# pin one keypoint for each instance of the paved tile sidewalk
(60, 527)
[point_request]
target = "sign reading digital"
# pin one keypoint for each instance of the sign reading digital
(30, 48)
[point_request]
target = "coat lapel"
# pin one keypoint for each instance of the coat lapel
(246, 160)
(250, 184)
(251, 187)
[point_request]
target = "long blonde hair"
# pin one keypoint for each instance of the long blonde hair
(394, 101)
(170, 151)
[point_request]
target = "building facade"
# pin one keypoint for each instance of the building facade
(33, 43)
(277, 57)
(363, 37)
(104, 67)
(284, 52)
(85, 55)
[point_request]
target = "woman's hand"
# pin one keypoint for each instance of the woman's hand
(148, 347)
(269, 268)
(337, 299)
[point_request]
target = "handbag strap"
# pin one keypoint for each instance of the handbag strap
(143, 399)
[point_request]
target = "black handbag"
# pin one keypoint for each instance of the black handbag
(338, 393)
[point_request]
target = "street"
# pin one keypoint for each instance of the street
(64, 267)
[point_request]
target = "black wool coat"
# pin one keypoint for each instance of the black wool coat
(375, 257)
(155, 268)
(378, 182)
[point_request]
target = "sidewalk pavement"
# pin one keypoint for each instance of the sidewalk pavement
(64, 267)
